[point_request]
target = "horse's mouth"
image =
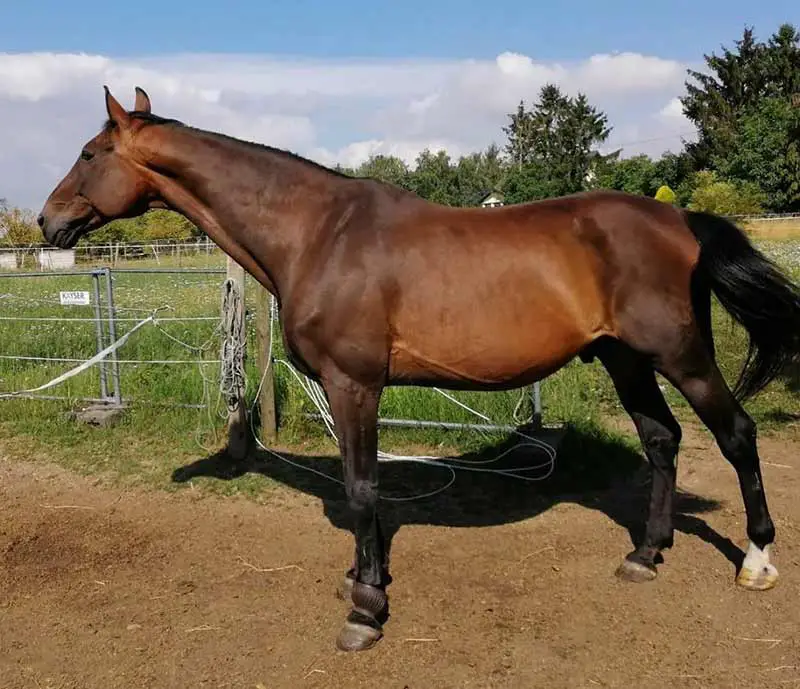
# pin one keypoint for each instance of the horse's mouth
(69, 235)
(67, 238)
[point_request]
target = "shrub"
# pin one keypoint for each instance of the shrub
(665, 194)
(725, 197)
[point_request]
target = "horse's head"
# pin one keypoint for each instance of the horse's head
(108, 180)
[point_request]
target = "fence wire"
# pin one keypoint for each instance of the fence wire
(38, 331)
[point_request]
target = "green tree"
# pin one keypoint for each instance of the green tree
(468, 180)
(476, 174)
(723, 197)
(767, 152)
(641, 174)
(115, 231)
(164, 224)
(390, 169)
(434, 178)
(783, 61)
(584, 127)
(636, 175)
(676, 171)
(526, 183)
(341, 169)
(18, 226)
(519, 133)
(553, 144)
(153, 226)
(737, 80)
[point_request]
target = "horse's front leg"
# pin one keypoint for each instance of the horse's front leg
(355, 413)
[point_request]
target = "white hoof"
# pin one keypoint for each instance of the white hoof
(757, 573)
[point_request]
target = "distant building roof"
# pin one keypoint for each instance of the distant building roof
(493, 198)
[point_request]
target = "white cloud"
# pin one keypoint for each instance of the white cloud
(35, 76)
(358, 151)
(626, 73)
(334, 111)
(672, 113)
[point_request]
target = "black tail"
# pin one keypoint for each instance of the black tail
(756, 293)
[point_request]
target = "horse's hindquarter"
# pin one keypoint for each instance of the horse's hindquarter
(492, 299)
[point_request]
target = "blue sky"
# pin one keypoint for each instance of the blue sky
(341, 81)
(409, 28)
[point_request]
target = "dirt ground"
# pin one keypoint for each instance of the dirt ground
(494, 585)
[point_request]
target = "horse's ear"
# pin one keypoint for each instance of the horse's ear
(116, 113)
(142, 101)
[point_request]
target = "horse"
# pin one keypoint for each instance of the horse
(378, 287)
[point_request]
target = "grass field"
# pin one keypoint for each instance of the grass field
(154, 436)
(778, 229)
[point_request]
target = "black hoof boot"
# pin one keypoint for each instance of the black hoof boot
(639, 566)
(363, 628)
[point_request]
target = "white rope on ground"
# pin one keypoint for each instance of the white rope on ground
(85, 364)
(153, 319)
(316, 394)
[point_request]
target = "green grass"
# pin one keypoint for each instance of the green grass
(153, 438)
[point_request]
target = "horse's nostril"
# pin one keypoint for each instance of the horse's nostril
(40, 221)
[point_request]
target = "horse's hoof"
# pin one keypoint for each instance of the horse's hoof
(357, 637)
(345, 590)
(760, 579)
(757, 573)
(635, 572)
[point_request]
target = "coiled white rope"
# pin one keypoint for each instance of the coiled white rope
(232, 351)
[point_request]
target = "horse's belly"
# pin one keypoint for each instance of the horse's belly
(493, 320)
(493, 358)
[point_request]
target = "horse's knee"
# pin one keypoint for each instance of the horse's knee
(361, 496)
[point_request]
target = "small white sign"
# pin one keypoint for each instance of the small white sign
(74, 298)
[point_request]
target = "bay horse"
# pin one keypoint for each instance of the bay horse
(378, 287)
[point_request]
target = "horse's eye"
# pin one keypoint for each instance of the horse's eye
(86, 155)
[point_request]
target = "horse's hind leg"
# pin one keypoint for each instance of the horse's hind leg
(660, 435)
(696, 375)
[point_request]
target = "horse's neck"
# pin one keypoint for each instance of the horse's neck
(259, 206)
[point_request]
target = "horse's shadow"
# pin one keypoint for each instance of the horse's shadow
(599, 473)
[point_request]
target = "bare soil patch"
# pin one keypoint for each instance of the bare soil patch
(494, 585)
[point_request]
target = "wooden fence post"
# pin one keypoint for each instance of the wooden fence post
(266, 399)
(237, 406)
